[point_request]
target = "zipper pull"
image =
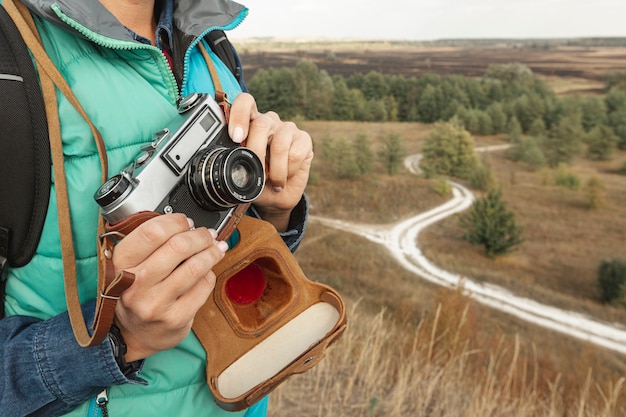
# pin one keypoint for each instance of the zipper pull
(102, 400)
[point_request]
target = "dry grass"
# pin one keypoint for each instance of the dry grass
(413, 349)
(380, 368)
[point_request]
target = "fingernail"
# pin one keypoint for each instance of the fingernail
(238, 135)
(213, 233)
(277, 189)
(223, 246)
(191, 223)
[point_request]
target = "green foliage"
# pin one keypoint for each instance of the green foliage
(594, 113)
(363, 154)
(429, 105)
(537, 128)
(611, 279)
(528, 152)
(601, 143)
(491, 224)
(564, 141)
(349, 160)
(341, 157)
(615, 79)
(513, 130)
(449, 150)
(616, 113)
(442, 186)
(510, 73)
(564, 178)
(482, 177)
(392, 153)
(594, 192)
(498, 117)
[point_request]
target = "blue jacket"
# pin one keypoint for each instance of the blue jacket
(128, 91)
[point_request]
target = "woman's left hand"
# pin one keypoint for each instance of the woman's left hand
(286, 151)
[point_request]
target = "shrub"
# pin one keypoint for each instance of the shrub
(482, 177)
(442, 186)
(491, 224)
(566, 179)
(449, 150)
(611, 279)
(594, 192)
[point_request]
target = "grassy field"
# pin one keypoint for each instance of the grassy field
(412, 348)
(415, 349)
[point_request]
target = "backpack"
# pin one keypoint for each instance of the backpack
(25, 149)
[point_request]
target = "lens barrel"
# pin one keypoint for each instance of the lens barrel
(221, 177)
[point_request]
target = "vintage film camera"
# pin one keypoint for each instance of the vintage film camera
(264, 321)
(191, 166)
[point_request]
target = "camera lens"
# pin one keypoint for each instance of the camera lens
(240, 175)
(222, 177)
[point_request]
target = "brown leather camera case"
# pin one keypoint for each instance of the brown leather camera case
(251, 348)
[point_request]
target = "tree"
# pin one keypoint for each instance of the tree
(392, 153)
(341, 157)
(601, 143)
(491, 224)
(449, 150)
(374, 86)
(528, 152)
(513, 130)
(343, 100)
(429, 106)
(363, 155)
(594, 192)
(611, 279)
(498, 117)
(593, 112)
(564, 141)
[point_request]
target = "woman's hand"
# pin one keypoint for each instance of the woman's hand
(172, 263)
(286, 151)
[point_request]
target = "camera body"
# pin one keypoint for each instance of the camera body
(191, 166)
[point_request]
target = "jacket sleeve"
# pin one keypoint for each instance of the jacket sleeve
(43, 370)
(297, 223)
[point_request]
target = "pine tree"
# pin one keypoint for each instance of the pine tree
(611, 279)
(363, 154)
(392, 153)
(491, 224)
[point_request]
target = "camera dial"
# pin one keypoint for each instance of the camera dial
(224, 177)
(113, 189)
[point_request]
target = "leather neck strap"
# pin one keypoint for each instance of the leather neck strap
(109, 287)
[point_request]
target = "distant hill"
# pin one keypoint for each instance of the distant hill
(586, 58)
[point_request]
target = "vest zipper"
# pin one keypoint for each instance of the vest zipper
(101, 401)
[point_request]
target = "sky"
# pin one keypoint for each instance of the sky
(432, 19)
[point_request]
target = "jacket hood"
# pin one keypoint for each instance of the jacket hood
(192, 17)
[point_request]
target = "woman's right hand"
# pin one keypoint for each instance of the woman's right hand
(172, 262)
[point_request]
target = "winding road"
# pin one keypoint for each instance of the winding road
(401, 240)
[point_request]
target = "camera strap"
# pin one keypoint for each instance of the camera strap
(220, 96)
(109, 287)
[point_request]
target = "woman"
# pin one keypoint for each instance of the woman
(128, 62)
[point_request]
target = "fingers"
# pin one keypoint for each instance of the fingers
(282, 146)
(243, 110)
(147, 238)
(166, 250)
(172, 263)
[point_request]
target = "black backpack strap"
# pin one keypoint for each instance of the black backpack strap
(221, 46)
(24, 149)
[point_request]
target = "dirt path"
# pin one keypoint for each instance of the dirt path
(401, 240)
